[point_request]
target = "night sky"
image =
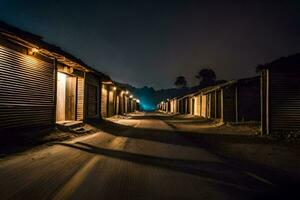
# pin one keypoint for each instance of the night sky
(152, 42)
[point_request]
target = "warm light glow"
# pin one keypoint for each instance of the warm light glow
(34, 50)
(130, 96)
(127, 92)
(114, 88)
(138, 100)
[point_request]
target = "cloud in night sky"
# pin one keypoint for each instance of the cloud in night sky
(152, 42)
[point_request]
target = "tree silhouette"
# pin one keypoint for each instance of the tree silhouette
(180, 82)
(206, 76)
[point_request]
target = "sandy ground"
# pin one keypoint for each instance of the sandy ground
(242, 142)
(140, 157)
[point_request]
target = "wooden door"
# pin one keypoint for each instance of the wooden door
(70, 97)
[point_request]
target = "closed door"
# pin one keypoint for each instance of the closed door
(70, 97)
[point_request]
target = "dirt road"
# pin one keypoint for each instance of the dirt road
(144, 159)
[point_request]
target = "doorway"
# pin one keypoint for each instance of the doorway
(66, 97)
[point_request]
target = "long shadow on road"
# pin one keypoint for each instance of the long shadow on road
(198, 140)
(215, 172)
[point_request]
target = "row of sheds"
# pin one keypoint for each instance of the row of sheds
(40, 85)
(273, 98)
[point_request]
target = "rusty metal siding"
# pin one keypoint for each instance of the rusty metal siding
(80, 98)
(284, 100)
(26, 91)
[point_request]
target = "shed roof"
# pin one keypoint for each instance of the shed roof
(31, 40)
(216, 87)
(292, 61)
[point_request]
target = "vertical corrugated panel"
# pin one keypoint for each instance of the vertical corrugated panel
(121, 105)
(248, 100)
(208, 105)
(191, 106)
(111, 107)
(104, 94)
(213, 105)
(197, 105)
(118, 105)
(26, 91)
(284, 100)
(229, 104)
(203, 105)
(80, 98)
(92, 101)
(218, 104)
(263, 101)
(126, 104)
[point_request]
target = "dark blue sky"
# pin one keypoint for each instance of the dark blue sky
(152, 42)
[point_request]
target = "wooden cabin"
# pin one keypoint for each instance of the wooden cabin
(280, 108)
(42, 84)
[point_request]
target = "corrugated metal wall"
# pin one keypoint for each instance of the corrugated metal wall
(218, 105)
(213, 105)
(92, 106)
(111, 107)
(203, 105)
(92, 101)
(126, 104)
(248, 100)
(229, 103)
(117, 105)
(104, 96)
(80, 98)
(197, 105)
(284, 100)
(121, 105)
(26, 91)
